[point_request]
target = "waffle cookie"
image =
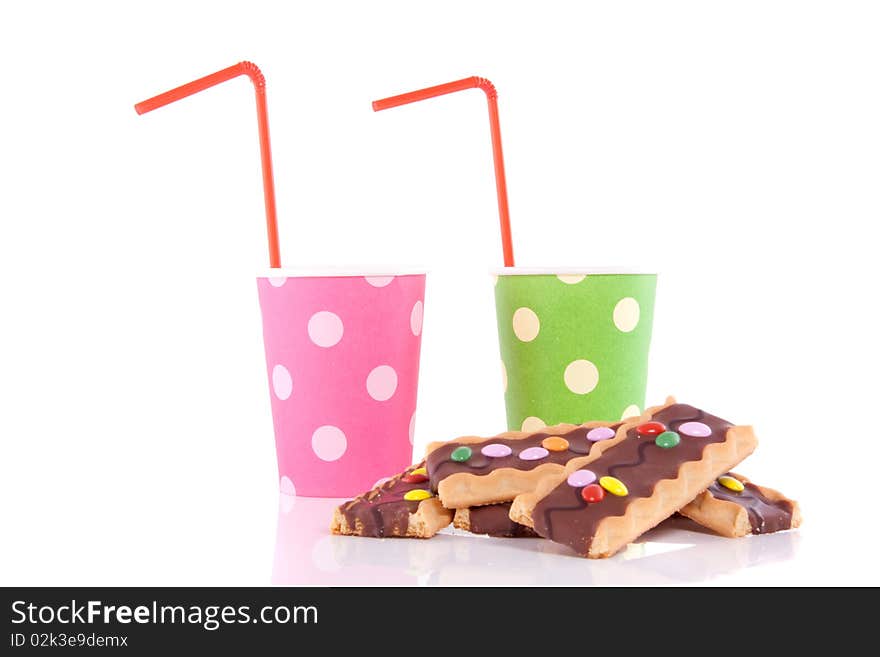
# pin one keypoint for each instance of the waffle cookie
(402, 507)
(473, 471)
(733, 506)
(492, 520)
(653, 467)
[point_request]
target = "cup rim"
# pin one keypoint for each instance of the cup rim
(572, 271)
(352, 271)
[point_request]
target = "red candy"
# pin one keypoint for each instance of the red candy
(592, 493)
(414, 478)
(651, 428)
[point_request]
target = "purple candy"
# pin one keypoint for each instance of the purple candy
(600, 433)
(533, 453)
(580, 478)
(695, 430)
(496, 451)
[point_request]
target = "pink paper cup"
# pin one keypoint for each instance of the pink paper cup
(342, 352)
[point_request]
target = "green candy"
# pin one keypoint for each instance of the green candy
(667, 439)
(461, 454)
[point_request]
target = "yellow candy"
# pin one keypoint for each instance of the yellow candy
(614, 486)
(420, 471)
(732, 483)
(417, 494)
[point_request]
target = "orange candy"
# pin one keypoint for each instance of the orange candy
(555, 444)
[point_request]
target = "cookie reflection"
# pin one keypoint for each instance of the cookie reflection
(678, 551)
(306, 553)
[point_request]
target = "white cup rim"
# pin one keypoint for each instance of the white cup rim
(571, 271)
(342, 272)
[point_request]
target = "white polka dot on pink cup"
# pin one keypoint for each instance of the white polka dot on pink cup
(379, 281)
(325, 328)
(416, 316)
(342, 351)
(329, 443)
(287, 487)
(382, 382)
(282, 382)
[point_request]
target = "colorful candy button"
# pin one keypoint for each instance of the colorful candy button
(651, 428)
(600, 433)
(414, 477)
(731, 483)
(592, 493)
(496, 451)
(420, 471)
(580, 478)
(667, 439)
(416, 495)
(555, 443)
(461, 454)
(533, 453)
(695, 429)
(614, 486)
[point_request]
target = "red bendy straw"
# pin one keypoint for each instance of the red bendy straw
(253, 72)
(495, 129)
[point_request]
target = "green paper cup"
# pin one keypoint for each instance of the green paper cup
(574, 344)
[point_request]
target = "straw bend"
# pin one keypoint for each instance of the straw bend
(485, 85)
(254, 73)
(473, 82)
(256, 76)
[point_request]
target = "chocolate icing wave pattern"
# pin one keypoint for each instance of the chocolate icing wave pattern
(765, 515)
(644, 447)
(441, 465)
(640, 463)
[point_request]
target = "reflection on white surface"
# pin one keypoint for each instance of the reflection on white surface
(676, 552)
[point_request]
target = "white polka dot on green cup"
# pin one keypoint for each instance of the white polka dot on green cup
(630, 411)
(581, 376)
(626, 314)
(532, 424)
(526, 324)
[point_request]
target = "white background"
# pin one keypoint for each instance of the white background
(735, 146)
